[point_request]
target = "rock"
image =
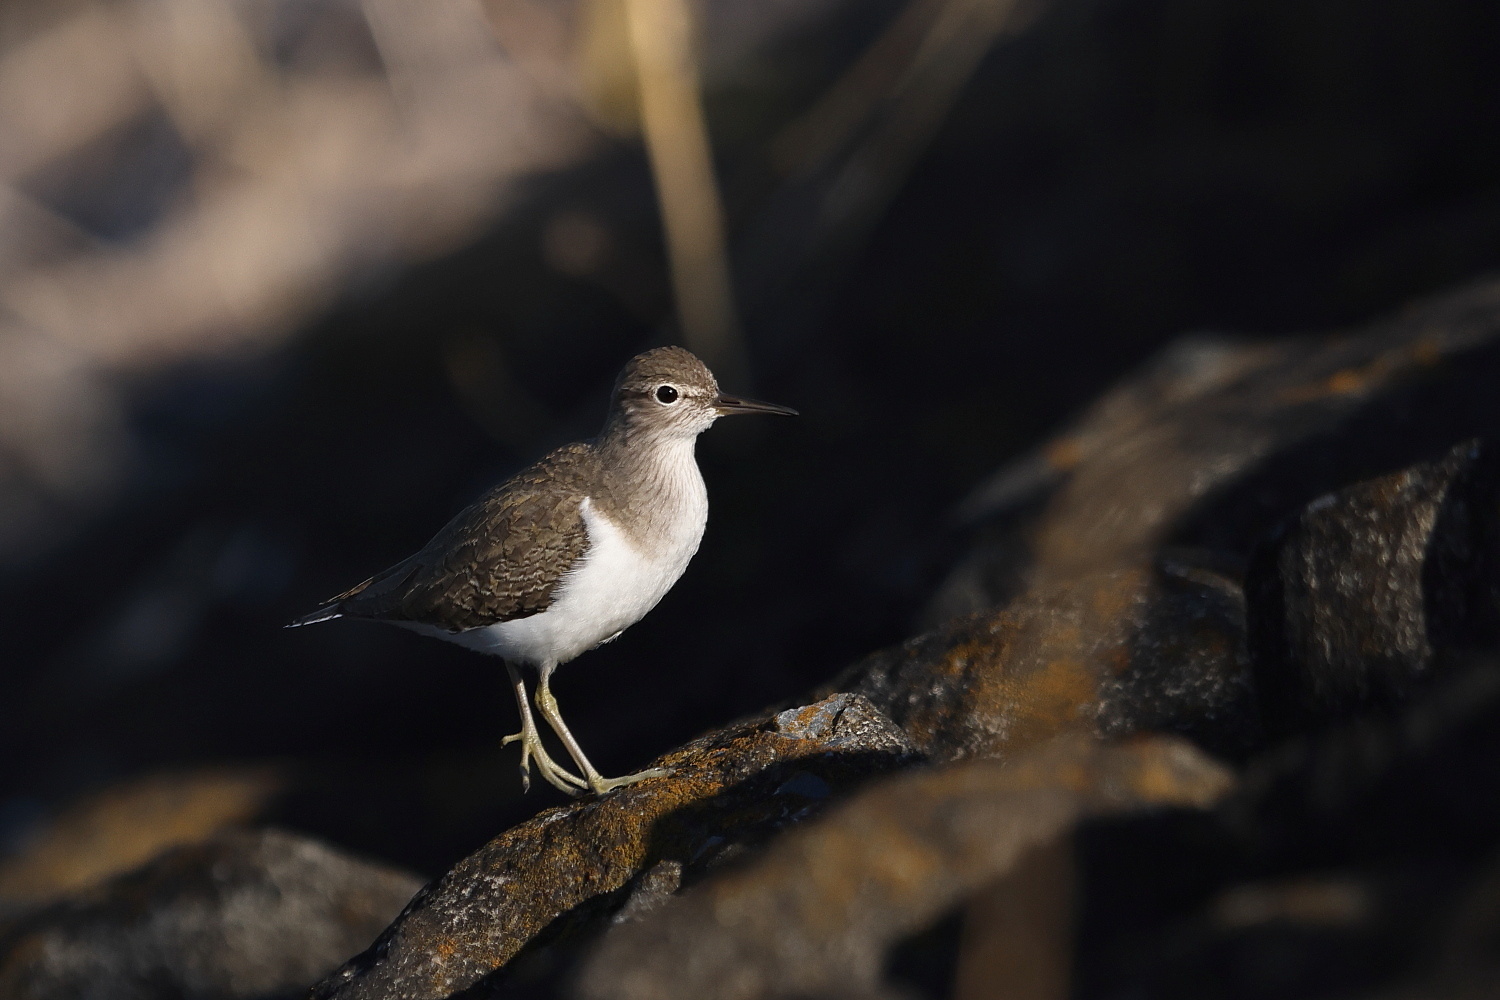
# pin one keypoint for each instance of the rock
(729, 789)
(1468, 961)
(1380, 783)
(1110, 653)
(1017, 933)
(121, 827)
(1358, 860)
(817, 912)
(1219, 438)
(1111, 607)
(246, 914)
(419, 811)
(1182, 469)
(1351, 600)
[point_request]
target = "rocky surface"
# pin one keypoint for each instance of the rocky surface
(1119, 610)
(1114, 655)
(243, 915)
(1111, 653)
(816, 914)
(1218, 439)
(1357, 861)
(1354, 597)
(727, 791)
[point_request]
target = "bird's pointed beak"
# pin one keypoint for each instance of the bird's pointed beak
(728, 406)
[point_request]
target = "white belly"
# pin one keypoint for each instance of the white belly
(611, 588)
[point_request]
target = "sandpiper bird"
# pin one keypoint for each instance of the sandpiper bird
(567, 554)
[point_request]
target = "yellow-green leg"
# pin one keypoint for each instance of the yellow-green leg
(531, 746)
(547, 705)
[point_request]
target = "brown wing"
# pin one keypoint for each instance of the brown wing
(499, 560)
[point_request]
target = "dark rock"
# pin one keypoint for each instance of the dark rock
(728, 789)
(1109, 653)
(1219, 438)
(1381, 785)
(118, 828)
(1114, 609)
(245, 914)
(816, 913)
(418, 811)
(651, 889)
(1354, 861)
(1350, 601)
(1182, 469)
(1468, 958)
(1017, 934)
(1300, 935)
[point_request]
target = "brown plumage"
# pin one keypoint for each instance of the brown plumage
(498, 560)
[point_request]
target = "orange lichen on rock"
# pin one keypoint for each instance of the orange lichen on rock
(478, 916)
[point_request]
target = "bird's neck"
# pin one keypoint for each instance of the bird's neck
(651, 486)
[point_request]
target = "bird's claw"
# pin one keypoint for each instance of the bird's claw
(553, 773)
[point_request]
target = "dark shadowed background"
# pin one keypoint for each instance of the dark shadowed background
(283, 285)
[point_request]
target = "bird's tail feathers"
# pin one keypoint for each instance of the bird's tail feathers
(327, 612)
(331, 609)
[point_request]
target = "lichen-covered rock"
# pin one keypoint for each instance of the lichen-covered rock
(817, 912)
(1218, 438)
(1351, 600)
(247, 914)
(728, 789)
(1109, 653)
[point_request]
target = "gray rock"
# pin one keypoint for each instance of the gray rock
(1351, 600)
(845, 721)
(248, 914)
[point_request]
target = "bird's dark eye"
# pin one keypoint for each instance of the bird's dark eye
(666, 394)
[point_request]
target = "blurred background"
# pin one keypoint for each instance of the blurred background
(286, 283)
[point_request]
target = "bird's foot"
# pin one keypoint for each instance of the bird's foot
(551, 771)
(596, 783)
(599, 784)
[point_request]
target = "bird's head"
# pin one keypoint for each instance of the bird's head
(667, 390)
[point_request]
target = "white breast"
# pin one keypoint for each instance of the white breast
(611, 588)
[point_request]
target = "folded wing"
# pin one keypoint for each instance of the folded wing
(499, 560)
